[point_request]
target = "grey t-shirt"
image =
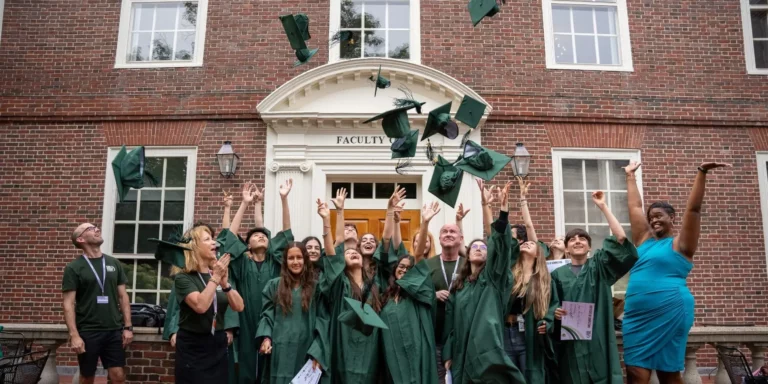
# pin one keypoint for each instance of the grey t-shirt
(576, 269)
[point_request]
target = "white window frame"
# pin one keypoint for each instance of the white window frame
(2, 7)
(379, 203)
(110, 197)
(749, 49)
(124, 37)
(762, 178)
(625, 45)
(334, 52)
(558, 154)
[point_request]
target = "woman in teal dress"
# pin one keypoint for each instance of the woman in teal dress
(658, 312)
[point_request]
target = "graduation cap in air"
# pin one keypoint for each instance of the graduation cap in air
(297, 29)
(479, 9)
(406, 145)
(470, 111)
(171, 251)
(395, 121)
(381, 82)
(408, 99)
(129, 170)
(342, 37)
(361, 317)
(446, 181)
(230, 243)
(482, 162)
(439, 121)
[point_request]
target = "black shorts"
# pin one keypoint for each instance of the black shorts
(107, 345)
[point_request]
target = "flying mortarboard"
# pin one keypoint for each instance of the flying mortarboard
(381, 82)
(482, 162)
(171, 251)
(129, 171)
(229, 243)
(406, 145)
(470, 112)
(479, 9)
(446, 181)
(297, 29)
(347, 37)
(361, 317)
(395, 121)
(439, 121)
(408, 99)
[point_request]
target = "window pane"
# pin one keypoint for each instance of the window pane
(162, 46)
(606, 20)
(572, 176)
(564, 49)
(146, 274)
(561, 19)
(619, 206)
(410, 190)
(582, 20)
(185, 45)
(140, 50)
(127, 209)
(153, 165)
(375, 15)
(166, 280)
(177, 172)
(585, 50)
(617, 174)
(165, 17)
(172, 229)
(592, 175)
(352, 48)
(399, 15)
(147, 231)
(150, 205)
(573, 204)
(124, 237)
(363, 191)
(128, 269)
(758, 2)
(142, 17)
(375, 44)
(350, 14)
(399, 44)
(598, 234)
(759, 23)
(336, 186)
(188, 16)
(593, 212)
(609, 50)
(174, 205)
(384, 190)
(145, 298)
(761, 54)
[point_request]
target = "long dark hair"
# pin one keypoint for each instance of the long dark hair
(393, 289)
(466, 271)
(306, 281)
(369, 292)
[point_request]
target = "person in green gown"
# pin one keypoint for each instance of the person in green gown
(589, 280)
(252, 270)
(409, 308)
(474, 349)
(531, 310)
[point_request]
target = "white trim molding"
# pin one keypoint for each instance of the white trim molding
(762, 178)
(749, 48)
(2, 7)
(125, 30)
(622, 29)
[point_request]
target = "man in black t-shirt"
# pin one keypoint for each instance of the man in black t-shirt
(93, 285)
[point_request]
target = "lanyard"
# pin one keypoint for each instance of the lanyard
(215, 307)
(103, 272)
(455, 268)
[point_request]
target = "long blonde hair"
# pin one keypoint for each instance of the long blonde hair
(431, 250)
(192, 258)
(537, 292)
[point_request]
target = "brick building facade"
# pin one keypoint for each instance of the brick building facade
(682, 82)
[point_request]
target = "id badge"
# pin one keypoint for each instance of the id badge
(520, 323)
(102, 299)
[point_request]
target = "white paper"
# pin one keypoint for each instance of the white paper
(448, 377)
(555, 264)
(308, 375)
(577, 324)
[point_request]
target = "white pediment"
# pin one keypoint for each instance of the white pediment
(341, 93)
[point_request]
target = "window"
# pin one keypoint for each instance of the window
(373, 190)
(2, 6)
(762, 178)
(577, 173)
(151, 212)
(379, 28)
(584, 34)
(161, 33)
(754, 17)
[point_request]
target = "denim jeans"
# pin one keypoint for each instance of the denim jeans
(514, 346)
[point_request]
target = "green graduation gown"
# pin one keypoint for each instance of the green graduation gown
(251, 278)
(597, 360)
(409, 343)
(540, 361)
(474, 318)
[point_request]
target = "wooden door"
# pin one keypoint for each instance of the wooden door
(372, 221)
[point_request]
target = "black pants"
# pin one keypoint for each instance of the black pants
(201, 358)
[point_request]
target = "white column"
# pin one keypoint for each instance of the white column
(299, 200)
(722, 375)
(691, 373)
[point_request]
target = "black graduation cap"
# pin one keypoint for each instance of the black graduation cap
(479, 9)
(381, 82)
(129, 169)
(297, 29)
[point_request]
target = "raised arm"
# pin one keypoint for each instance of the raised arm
(338, 202)
(641, 230)
(397, 238)
(389, 222)
(258, 203)
(225, 220)
(524, 208)
(325, 214)
(688, 238)
(285, 189)
(428, 211)
(487, 198)
(503, 251)
(460, 213)
(598, 197)
(249, 191)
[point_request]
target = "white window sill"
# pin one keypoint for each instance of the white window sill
(755, 71)
(157, 65)
(590, 67)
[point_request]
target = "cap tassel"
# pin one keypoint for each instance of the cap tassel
(431, 155)
(408, 100)
(403, 166)
(342, 36)
(465, 138)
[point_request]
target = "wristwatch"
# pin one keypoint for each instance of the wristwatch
(128, 328)
(227, 289)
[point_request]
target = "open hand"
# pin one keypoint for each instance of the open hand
(397, 196)
(322, 209)
(598, 197)
(341, 195)
(429, 210)
(249, 192)
(708, 166)
(461, 212)
(523, 186)
(486, 194)
(632, 167)
(504, 197)
(285, 188)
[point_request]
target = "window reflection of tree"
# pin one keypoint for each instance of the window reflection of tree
(352, 19)
(162, 49)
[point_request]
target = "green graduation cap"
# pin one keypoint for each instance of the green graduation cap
(482, 162)
(361, 317)
(408, 99)
(479, 9)
(439, 121)
(470, 112)
(381, 82)
(172, 251)
(229, 243)
(406, 145)
(129, 171)
(446, 181)
(395, 122)
(297, 29)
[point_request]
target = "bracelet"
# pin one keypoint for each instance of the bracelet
(213, 280)
(702, 170)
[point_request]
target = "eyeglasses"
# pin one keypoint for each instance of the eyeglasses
(481, 247)
(406, 267)
(91, 228)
